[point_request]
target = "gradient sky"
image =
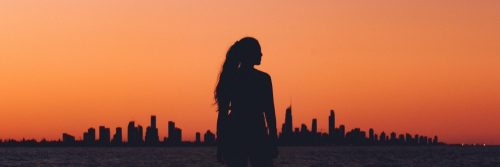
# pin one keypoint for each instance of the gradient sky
(428, 67)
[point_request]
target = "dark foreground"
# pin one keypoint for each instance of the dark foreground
(289, 156)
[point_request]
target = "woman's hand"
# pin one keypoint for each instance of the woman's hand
(221, 121)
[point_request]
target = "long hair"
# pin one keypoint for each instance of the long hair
(234, 56)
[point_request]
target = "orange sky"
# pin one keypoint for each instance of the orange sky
(426, 67)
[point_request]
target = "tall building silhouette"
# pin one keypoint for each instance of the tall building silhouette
(408, 139)
(331, 123)
(314, 126)
(132, 136)
(153, 121)
(179, 134)
(198, 138)
(118, 137)
(417, 139)
(104, 135)
(89, 137)
(401, 139)
(383, 138)
(287, 136)
(371, 136)
(342, 131)
(393, 138)
(152, 132)
(288, 125)
(174, 133)
(140, 136)
(435, 141)
(303, 129)
(171, 131)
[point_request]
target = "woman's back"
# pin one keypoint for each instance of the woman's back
(246, 118)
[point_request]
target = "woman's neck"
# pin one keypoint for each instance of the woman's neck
(246, 67)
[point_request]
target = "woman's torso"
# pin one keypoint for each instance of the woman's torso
(246, 119)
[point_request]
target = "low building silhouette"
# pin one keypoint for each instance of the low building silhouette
(117, 138)
(209, 138)
(174, 134)
(198, 138)
(89, 137)
(68, 139)
(104, 135)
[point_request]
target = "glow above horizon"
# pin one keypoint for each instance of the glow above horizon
(426, 67)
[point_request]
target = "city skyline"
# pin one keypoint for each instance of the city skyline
(289, 135)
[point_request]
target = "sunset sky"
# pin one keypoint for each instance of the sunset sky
(429, 67)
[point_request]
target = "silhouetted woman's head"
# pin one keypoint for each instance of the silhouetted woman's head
(249, 51)
(244, 52)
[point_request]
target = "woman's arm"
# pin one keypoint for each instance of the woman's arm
(221, 121)
(271, 116)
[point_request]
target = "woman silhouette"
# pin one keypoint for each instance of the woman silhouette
(244, 97)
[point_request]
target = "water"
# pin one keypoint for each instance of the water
(289, 156)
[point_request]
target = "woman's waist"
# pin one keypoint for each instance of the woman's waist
(246, 125)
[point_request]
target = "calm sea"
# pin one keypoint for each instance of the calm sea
(289, 156)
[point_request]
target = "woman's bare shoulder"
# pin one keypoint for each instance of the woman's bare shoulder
(263, 74)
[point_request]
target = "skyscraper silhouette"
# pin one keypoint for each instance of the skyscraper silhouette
(117, 138)
(153, 121)
(409, 139)
(435, 141)
(383, 138)
(393, 138)
(401, 139)
(288, 126)
(342, 132)
(152, 132)
(174, 133)
(314, 126)
(371, 136)
(331, 123)
(104, 135)
(171, 131)
(89, 137)
(140, 136)
(287, 135)
(132, 138)
(303, 129)
(198, 138)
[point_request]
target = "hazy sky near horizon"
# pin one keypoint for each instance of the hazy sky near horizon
(421, 67)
